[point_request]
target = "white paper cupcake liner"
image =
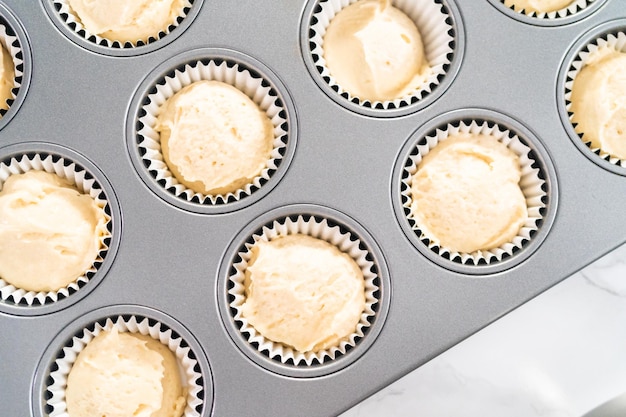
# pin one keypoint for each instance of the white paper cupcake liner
(73, 23)
(615, 41)
(258, 89)
(86, 184)
(532, 184)
(188, 365)
(12, 46)
(572, 9)
(432, 20)
(320, 228)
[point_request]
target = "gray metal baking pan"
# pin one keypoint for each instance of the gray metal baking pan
(169, 259)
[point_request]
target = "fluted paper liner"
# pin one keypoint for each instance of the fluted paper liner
(258, 89)
(431, 20)
(575, 7)
(616, 42)
(531, 184)
(13, 47)
(319, 228)
(73, 22)
(187, 363)
(86, 183)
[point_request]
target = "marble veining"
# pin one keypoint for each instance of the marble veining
(609, 272)
(559, 355)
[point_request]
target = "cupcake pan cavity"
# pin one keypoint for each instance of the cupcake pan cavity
(321, 223)
(28, 156)
(66, 20)
(577, 10)
(61, 354)
(611, 35)
(232, 68)
(339, 164)
(441, 29)
(14, 40)
(538, 184)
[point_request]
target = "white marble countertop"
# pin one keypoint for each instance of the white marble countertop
(559, 355)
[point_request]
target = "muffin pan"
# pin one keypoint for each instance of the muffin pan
(172, 257)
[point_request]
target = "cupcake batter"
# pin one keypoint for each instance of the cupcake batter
(7, 78)
(214, 138)
(599, 102)
(466, 195)
(374, 51)
(50, 233)
(303, 292)
(538, 6)
(124, 374)
(127, 21)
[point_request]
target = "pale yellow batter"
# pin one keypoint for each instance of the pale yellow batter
(599, 102)
(214, 138)
(466, 194)
(122, 375)
(50, 233)
(303, 292)
(7, 78)
(374, 51)
(127, 21)
(538, 6)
